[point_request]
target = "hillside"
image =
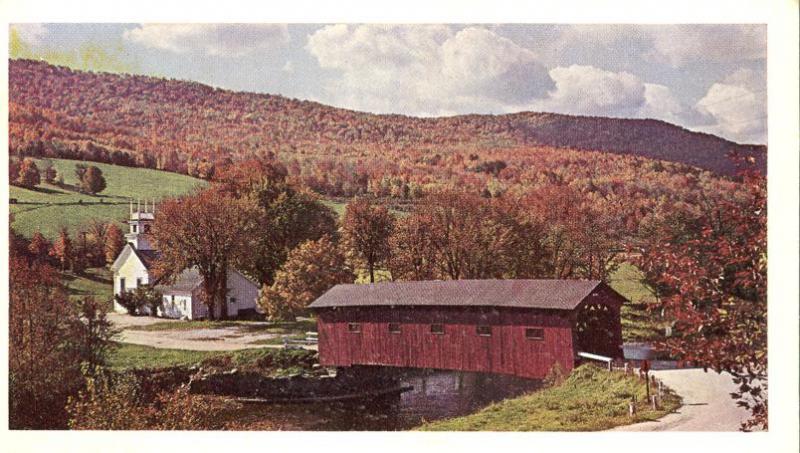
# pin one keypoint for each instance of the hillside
(49, 207)
(186, 126)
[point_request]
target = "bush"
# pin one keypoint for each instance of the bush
(114, 402)
(142, 297)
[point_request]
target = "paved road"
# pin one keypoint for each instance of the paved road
(707, 404)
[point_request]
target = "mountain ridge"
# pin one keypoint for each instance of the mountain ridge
(150, 117)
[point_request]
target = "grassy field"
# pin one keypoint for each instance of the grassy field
(591, 399)
(48, 207)
(638, 323)
(96, 283)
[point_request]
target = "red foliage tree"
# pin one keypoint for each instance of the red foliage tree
(713, 286)
(113, 243)
(366, 228)
(28, 174)
(208, 230)
(62, 249)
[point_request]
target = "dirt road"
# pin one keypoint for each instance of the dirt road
(707, 404)
(228, 338)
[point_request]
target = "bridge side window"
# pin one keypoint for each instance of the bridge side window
(394, 327)
(437, 329)
(534, 333)
(354, 327)
(484, 331)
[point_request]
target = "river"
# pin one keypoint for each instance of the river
(435, 395)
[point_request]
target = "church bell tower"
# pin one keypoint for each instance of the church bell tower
(140, 223)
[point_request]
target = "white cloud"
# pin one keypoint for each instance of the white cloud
(679, 45)
(738, 107)
(426, 69)
(30, 33)
(587, 90)
(288, 67)
(660, 103)
(232, 40)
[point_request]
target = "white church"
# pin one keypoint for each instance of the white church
(182, 297)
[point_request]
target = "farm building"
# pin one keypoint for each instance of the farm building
(514, 327)
(181, 297)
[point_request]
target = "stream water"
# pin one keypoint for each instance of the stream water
(435, 395)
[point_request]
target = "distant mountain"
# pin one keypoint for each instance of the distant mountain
(170, 124)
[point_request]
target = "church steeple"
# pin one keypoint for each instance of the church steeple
(140, 223)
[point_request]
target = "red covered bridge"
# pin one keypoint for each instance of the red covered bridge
(516, 327)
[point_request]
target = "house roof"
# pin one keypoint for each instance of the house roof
(185, 282)
(545, 294)
(148, 257)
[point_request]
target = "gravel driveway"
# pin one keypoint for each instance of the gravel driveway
(707, 404)
(229, 338)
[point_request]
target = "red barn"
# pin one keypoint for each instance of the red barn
(516, 327)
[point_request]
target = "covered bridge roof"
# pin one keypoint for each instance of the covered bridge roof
(545, 294)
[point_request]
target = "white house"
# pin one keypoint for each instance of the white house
(182, 297)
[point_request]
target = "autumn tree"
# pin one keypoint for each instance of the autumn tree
(208, 230)
(286, 217)
(366, 228)
(469, 237)
(713, 286)
(92, 180)
(61, 249)
(412, 256)
(310, 269)
(39, 247)
(28, 174)
(50, 339)
(113, 243)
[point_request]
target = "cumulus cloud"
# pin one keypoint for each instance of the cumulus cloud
(427, 69)
(30, 33)
(679, 45)
(212, 39)
(588, 90)
(738, 107)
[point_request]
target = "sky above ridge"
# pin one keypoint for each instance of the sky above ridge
(708, 78)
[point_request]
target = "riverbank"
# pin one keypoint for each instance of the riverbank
(590, 399)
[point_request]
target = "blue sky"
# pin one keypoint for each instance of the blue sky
(709, 78)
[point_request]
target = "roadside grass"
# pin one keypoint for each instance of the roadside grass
(127, 356)
(591, 399)
(49, 206)
(639, 323)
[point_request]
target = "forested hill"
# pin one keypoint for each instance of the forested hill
(146, 121)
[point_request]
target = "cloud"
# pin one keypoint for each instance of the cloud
(426, 69)
(587, 90)
(679, 45)
(31, 34)
(232, 40)
(288, 67)
(737, 106)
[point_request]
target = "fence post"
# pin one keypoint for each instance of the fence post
(654, 400)
(660, 389)
(627, 368)
(631, 408)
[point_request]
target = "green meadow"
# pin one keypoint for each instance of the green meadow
(49, 207)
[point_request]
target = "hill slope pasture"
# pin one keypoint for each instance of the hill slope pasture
(49, 207)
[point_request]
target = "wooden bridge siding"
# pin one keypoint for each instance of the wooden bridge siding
(507, 351)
